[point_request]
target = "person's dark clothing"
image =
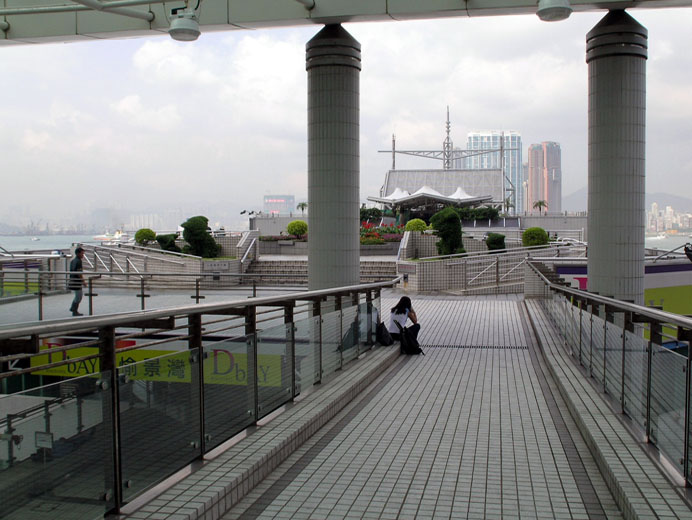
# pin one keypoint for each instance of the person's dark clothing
(414, 329)
(75, 281)
(75, 284)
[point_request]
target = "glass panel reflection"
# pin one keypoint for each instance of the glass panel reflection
(597, 343)
(614, 358)
(635, 375)
(351, 334)
(274, 368)
(56, 452)
(668, 390)
(307, 334)
(331, 342)
(228, 391)
(159, 418)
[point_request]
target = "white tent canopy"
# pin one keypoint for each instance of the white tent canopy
(427, 195)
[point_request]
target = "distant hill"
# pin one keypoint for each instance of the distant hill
(577, 201)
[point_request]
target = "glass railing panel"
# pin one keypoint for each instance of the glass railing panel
(274, 368)
(585, 337)
(635, 375)
(573, 330)
(159, 418)
(597, 344)
(351, 334)
(228, 390)
(307, 334)
(56, 450)
(613, 357)
(331, 342)
(367, 334)
(668, 391)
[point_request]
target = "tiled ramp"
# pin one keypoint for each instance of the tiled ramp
(473, 429)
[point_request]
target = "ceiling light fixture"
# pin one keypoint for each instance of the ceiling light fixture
(184, 24)
(553, 10)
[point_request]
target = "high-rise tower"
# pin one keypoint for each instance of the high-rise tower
(510, 144)
(545, 176)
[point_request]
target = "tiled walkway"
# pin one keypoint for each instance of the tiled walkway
(473, 429)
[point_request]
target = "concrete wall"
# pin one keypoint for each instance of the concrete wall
(273, 225)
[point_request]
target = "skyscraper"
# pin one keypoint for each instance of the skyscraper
(545, 176)
(493, 140)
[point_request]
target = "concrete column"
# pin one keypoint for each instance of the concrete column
(333, 65)
(616, 53)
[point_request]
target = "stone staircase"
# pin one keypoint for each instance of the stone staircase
(295, 272)
(549, 273)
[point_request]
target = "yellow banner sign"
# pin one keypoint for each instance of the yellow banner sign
(222, 366)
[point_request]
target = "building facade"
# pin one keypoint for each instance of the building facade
(279, 204)
(545, 176)
(510, 141)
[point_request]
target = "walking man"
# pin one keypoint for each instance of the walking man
(76, 281)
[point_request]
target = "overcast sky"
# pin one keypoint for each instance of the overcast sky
(148, 123)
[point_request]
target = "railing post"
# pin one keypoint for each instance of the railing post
(627, 326)
(251, 330)
(686, 335)
(464, 274)
(142, 294)
(90, 285)
(497, 272)
(40, 304)
(317, 312)
(608, 312)
(194, 328)
(111, 411)
(655, 337)
(594, 312)
(368, 306)
(338, 307)
(291, 345)
(581, 312)
(197, 297)
(355, 300)
(26, 276)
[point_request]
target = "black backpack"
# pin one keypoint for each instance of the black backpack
(382, 335)
(409, 344)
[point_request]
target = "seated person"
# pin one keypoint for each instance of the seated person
(402, 312)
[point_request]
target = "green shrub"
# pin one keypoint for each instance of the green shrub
(167, 242)
(297, 228)
(371, 241)
(534, 236)
(495, 241)
(484, 213)
(416, 224)
(448, 227)
(144, 236)
(200, 242)
(367, 214)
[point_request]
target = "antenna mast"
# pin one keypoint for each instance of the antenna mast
(447, 146)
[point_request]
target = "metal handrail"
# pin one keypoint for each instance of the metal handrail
(515, 250)
(132, 318)
(654, 315)
(116, 263)
(144, 255)
(247, 251)
(132, 265)
(513, 268)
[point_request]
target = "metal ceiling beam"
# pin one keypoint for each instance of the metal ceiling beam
(37, 21)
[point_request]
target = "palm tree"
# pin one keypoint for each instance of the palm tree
(302, 206)
(508, 204)
(539, 205)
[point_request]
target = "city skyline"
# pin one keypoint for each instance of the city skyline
(145, 125)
